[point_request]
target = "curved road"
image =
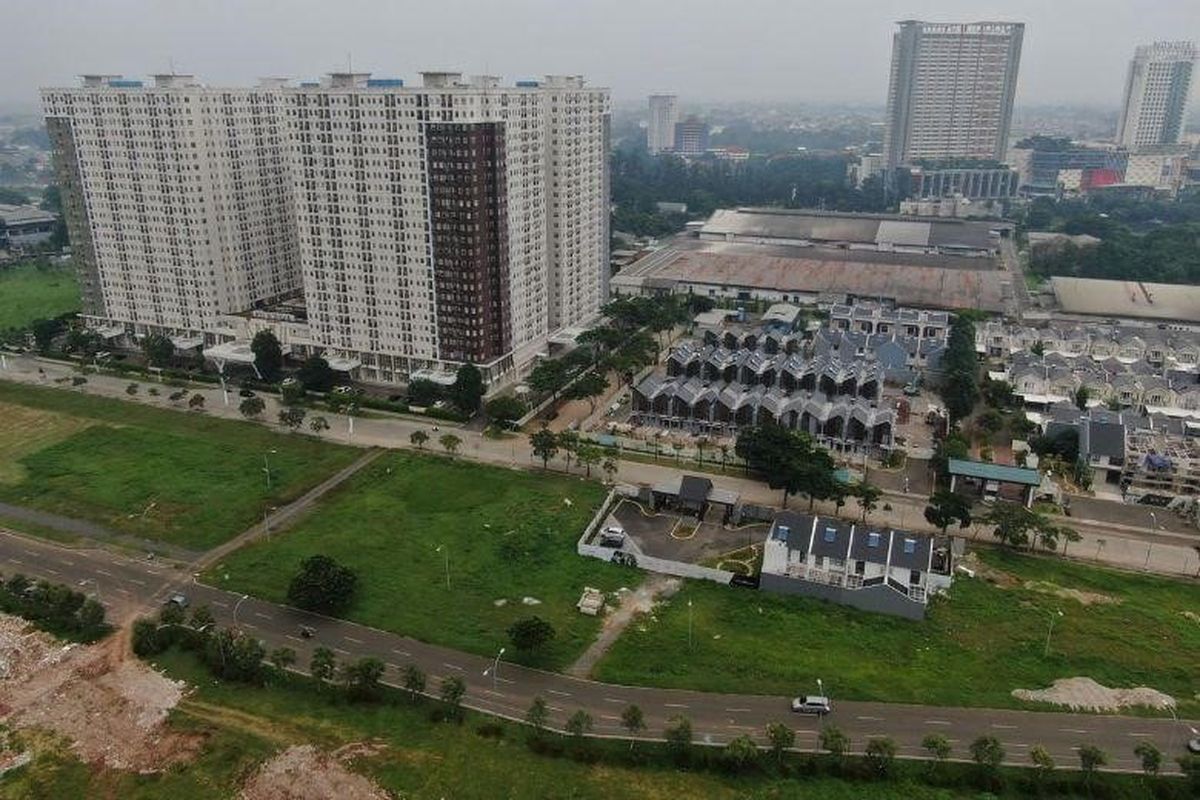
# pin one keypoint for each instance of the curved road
(128, 585)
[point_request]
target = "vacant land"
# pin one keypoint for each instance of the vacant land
(974, 648)
(29, 292)
(243, 727)
(182, 478)
(507, 536)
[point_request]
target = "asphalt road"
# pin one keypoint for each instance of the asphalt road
(127, 585)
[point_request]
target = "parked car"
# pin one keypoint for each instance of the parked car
(246, 393)
(612, 536)
(811, 704)
(178, 599)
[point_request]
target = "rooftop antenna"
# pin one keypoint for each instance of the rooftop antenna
(171, 65)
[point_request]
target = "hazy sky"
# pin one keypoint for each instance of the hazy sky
(1075, 51)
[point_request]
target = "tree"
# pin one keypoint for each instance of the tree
(233, 656)
(202, 617)
(131, 389)
(91, 616)
(740, 753)
(318, 424)
(588, 387)
(881, 756)
(588, 455)
(268, 355)
(937, 745)
(1082, 395)
(282, 658)
(988, 753)
(678, 735)
(423, 393)
(568, 443)
(44, 331)
(610, 467)
(1012, 523)
(196, 402)
(316, 374)
(419, 438)
(867, 496)
(323, 664)
(157, 349)
(467, 390)
(1043, 762)
(291, 392)
(1091, 758)
(322, 585)
(449, 442)
(362, 678)
(1150, 756)
(83, 341)
(505, 410)
(782, 738)
(548, 377)
(414, 681)
(252, 407)
(292, 417)
(530, 633)
(633, 721)
(544, 444)
(947, 507)
(579, 724)
(960, 369)
(537, 715)
(452, 692)
(833, 741)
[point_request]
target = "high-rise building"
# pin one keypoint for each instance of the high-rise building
(1156, 94)
(951, 90)
(664, 116)
(691, 137)
(459, 221)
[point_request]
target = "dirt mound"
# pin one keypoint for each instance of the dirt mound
(111, 709)
(1085, 694)
(303, 772)
(1082, 597)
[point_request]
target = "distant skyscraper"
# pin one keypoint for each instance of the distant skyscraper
(951, 90)
(664, 116)
(1156, 94)
(691, 137)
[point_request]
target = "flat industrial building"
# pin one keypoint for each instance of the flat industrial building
(1128, 299)
(809, 274)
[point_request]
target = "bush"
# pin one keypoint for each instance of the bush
(322, 585)
(55, 608)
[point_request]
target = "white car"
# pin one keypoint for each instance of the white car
(811, 704)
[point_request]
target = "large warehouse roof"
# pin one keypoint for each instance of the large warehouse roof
(1134, 299)
(878, 230)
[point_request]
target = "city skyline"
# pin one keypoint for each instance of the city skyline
(795, 52)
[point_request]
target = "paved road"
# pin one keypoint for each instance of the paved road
(126, 584)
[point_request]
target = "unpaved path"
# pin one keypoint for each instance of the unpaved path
(303, 772)
(639, 601)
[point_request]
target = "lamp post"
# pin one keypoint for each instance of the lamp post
(689, 624)
(1050, 630)
(441, 548)
(820, 687)
(237, 605)
(494, 669)
(267, 467)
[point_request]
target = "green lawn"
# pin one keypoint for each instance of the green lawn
(973, 649)
(509, 535)
(244, 725)
(29, 292)
(187, 479)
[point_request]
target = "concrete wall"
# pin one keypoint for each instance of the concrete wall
(877, 599)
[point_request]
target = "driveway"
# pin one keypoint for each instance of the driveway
(653, 535)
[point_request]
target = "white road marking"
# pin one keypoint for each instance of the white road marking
(15, 560)
(352, 639)
(53, 571)
(1000, 727)
(262, 615)
(493, 692)
(739, 710)
(870, 719)
(123, 591)
(613, 700)
(293, 638)
(610, 717)
(936, 722)
(557, 692)
(104, 572)
(554, 708)
(404, 653)
(742, 727)
(68, 563)
(453, 666)
(1071, 730)
(220, 604)
(340, 650)
(138, 581)
(1139, 734)
(674, 705)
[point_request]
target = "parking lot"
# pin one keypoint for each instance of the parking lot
(670, 536)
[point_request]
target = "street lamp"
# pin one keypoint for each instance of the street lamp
(1050, 630)
(689, 624)
(267, 467)
(441, 548)
(267, 511)
(820, 687)
(494, 669)
(238, 605)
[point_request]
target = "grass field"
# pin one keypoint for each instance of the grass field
(972, 650)
(28, 293)
(186, 479)
(509, 535)
(244, 726)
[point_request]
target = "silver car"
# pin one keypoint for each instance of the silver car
(811, 704)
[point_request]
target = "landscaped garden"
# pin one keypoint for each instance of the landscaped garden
(186, 479)
(448, 551)
(974, 648)
(31, 291)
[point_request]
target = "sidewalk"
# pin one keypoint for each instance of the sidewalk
(1126, 548)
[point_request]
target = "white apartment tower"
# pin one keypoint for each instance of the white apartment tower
(458, 221)
(177, 198)
(951, 90)
(660, 130)
(1156, 95)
